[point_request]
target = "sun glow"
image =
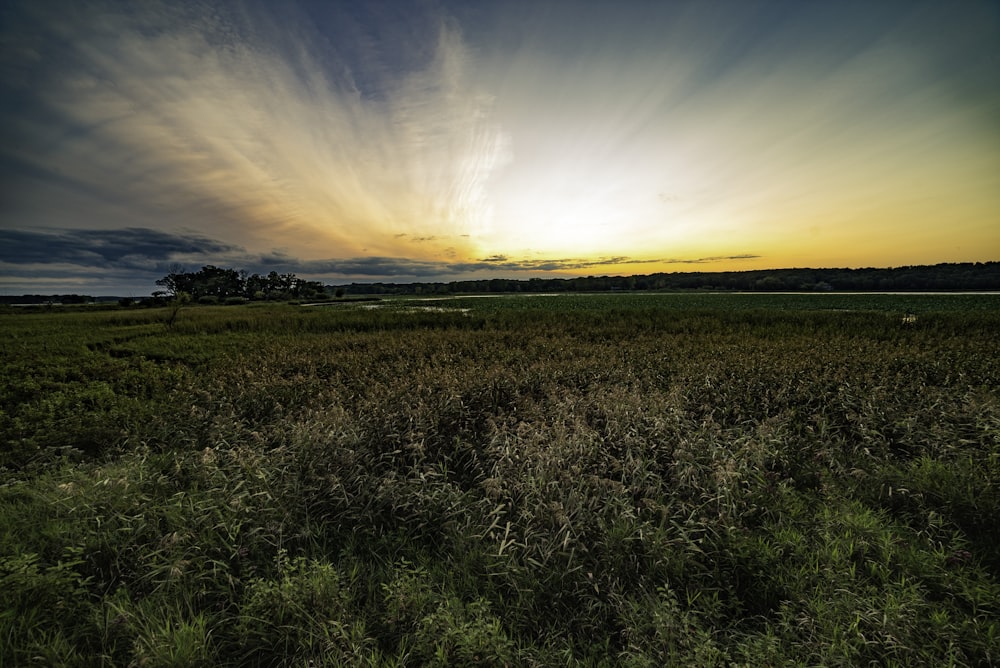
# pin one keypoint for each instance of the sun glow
(572, 221)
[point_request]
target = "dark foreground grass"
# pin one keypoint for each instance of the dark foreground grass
(634, 485)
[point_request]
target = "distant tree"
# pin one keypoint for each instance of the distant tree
(74, 299)
(176, 283)
(309, 289)
(217, 282)
(255, 287)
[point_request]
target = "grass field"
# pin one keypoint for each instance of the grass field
(642, 480)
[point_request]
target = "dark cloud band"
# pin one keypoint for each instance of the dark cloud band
(149, 253)
(105, 248)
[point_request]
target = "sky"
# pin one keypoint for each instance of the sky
(437, 140)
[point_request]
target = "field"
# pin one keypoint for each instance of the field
(619, 479)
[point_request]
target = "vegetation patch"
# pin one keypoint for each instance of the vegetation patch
(618, 479)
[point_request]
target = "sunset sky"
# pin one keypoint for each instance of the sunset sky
(437, 140)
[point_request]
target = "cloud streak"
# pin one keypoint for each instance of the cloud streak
(262, 133)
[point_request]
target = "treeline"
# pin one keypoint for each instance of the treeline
(957, 276)
(45, 299)
(215, 284)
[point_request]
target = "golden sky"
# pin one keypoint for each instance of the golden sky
(415, 141)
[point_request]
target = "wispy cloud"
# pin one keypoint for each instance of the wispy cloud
(254, 127)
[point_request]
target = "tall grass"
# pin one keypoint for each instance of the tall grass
(615, 485)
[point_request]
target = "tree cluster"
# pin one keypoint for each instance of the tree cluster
(218, 284)
(46, 299)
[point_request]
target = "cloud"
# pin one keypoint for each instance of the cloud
(573, 264)
(255, 123)
(375, 267)
(135, 248)
(714, 258)
(391, 267)
(150, 253)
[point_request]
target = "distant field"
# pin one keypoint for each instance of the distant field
(727, 301)
(611, 479)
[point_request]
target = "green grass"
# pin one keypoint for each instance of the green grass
(914, 303)
(617, 479)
